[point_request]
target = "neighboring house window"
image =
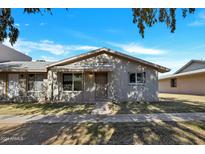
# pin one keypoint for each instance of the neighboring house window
(35, 82)
(137, 77)
(132, 78)
(72, 82)
(173, 82)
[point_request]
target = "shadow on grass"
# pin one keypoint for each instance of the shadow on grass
(163, 106)
(100, 133)
(50, 108)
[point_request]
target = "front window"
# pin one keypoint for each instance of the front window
(67, 82)
(141, 77)
(35, 82)
(31, 80)
(77, 82)
(132, 78)
(137, 77)
(39, 82)
(72, 82)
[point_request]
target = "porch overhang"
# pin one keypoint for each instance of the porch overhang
(104, 68)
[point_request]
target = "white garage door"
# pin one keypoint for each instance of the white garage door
(13, 85)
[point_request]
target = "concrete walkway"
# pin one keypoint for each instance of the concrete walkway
(103, 118)
(102, 108)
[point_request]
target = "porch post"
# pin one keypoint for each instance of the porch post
(50, 86)
(55, 86)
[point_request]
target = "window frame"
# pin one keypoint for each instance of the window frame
(136, 78)
(73, 82)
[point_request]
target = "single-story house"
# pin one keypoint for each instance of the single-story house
(9, 54)
(189, 79)
(102, 74)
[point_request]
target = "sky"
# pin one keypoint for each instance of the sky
(71, 32)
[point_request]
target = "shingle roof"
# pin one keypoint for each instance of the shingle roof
(24, 66)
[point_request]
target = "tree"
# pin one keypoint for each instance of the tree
(150, 16)
(142, 17)
(7, 24)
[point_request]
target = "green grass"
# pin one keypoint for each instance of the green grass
(111, 133)
(33, 108)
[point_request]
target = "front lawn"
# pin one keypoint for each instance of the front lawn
(111, 133)
(169, 103)
(33, 108)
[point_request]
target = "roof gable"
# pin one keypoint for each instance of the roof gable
(191, 66)
(109, 52)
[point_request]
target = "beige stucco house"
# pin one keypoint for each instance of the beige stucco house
(190, 79)
(102, 74)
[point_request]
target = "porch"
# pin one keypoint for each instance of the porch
(79, 83)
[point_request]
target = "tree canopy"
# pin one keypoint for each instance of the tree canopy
(150, 16)
(145, 17)
(8, 30)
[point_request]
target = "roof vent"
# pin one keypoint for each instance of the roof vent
(40, 60)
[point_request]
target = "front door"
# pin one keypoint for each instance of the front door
(101, 86)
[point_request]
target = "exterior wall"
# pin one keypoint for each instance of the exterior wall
(193, 66)
(23, 94)
(193, 84)
(119, 88)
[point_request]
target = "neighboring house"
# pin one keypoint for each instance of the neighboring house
(102, 74)
(190, 79)
(9, 54)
